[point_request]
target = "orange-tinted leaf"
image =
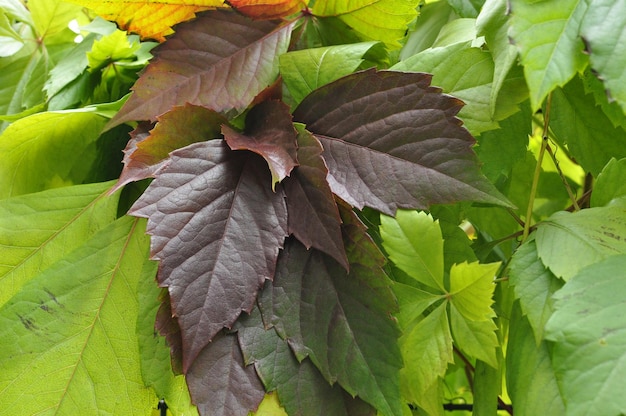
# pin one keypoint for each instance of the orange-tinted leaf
(268, 9)
(149, 18)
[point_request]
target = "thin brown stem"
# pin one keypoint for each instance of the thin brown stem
(571, 195)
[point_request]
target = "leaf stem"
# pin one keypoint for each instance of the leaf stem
(542, 150)
(571, 195)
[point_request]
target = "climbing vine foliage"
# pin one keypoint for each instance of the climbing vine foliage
(312, 207)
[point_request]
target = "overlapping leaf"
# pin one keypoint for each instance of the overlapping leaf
(269, 133)
(221, 61)
(301, 388)
(147, 150)
(609, 187)
(85, 307)
(220, 383)
(589, 334)
(217, 227)
(268, 9)
(390, 140)
(340, 322)
(313, 215)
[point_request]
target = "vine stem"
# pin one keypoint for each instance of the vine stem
(542, 151)
(571, 195)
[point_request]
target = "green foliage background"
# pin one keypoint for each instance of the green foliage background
(497, 306)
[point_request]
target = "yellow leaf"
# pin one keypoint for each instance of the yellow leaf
(149, 18)
(268, 9)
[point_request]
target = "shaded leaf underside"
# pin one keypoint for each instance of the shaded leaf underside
(392, 141)
(217, 228)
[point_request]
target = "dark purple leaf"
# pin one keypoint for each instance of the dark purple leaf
(269, 133)
(301, 388)
(313, 215)
(342, 322)
(216, 228)
(148, 150)
(392, 141)
(221, 61)
(220, 383)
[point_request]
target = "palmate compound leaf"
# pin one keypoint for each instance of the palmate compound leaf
(221, 61)
(340, 322)
(300, 387)
(216, 228)
(588, 332)
(392, 141)
(69, 343)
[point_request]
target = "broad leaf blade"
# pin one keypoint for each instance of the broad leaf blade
(146, 151)
(477, 339)
(392, 141)
(220, 61)
(313, 215)
(217, 227)
(471, 288)
(91, 319)
(268, 9)
(604, 32)
(610, 188)
(589, 334)
(592, 234)
(39, 229)
(269, 133)
(220, 383)
(548, 41)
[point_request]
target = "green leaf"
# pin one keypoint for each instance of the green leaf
(477, 339)
(154, 353)
(604, 32)
(456, 31)
(531, 381)
(466, 8)
(39, 229)
(493, 24)
(432, 17)
(414, 243)
(568, 242)
(467, 73)
(383, 20)
(589, 134)
(69, 67)
(456, 244)
(427, 350)
(413, 302)
(306, 70)
(471, 289)
(534, 285)
(609, 106)
(52, 16)
(70, 343)
(48, 150)
(610, 187)
(10, 41)
(17, 10)
(110, 48)
(546, 36)
(589, 335)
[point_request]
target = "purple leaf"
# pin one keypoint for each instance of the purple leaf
(221, 61)
(392, 141)
(269, 133)
(313, 215)
(220, 383)
(216, 228)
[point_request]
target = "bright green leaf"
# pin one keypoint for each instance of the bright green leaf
(531, 381)
(14, 76)
(69, 67)
(568, 242)
(37, 230)
(477, 339)
(471, 289)
(589, 334)
(433, 16)
(69, 342)
(604, 31)
(534, 285)
(47, 150)
(52, 16)
(10, 41)
(306, 70)
(457, 247)
(111, 48)
(414, 243)
(427, 350)
(610, 187)
(270, 406)
(589, 134)
(466, 8)
(17, 10)
(456, 31)
(546, 35)
(383, 20)
(413, 302)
